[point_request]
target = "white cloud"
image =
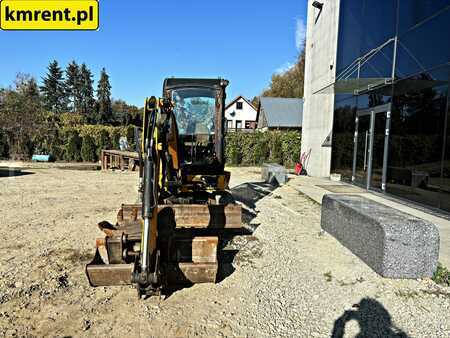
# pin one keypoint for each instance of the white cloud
(284, 68)
(300, 33)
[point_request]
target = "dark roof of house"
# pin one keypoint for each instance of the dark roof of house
(282, 112)
(240, 97)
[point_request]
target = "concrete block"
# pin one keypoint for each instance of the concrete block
(274, 173)
(394, 244)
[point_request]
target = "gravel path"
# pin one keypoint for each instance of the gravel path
(289, 279)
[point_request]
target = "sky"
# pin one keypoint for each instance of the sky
(141, 42)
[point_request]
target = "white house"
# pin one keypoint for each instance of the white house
(240, 114)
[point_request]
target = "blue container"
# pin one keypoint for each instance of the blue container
(41, 158)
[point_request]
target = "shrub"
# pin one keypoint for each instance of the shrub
(73, 147)
(88, 149)
(290, 147)
(131, 137)
(115, 138)
(441, 275)
(72, 120)
(232, 148)
(255, 148)
(4, 147)
(105, 137)
(275, 148)
(104, 142)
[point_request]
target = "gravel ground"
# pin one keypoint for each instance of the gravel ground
(289, 279)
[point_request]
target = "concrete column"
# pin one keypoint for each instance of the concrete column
(320, 71)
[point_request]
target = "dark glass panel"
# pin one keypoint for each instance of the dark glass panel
(350, 32)
(445, 184)
(343, 131)
(413, 12)
(424, 47)
(373, 74)
(363, 26)
(374, 98)
(362, 150)
(380, 64)
(378, 149)
(416, 138)
(379, 23)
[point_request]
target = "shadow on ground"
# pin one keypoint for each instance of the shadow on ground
(373, 320)
(231, 241)
(247, 194)
(11, 172)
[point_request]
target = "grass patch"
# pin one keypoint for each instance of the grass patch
(408, 294)
(328, 276)
(441, 276)
(358, 280)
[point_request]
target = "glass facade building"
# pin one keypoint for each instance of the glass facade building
(391, 123)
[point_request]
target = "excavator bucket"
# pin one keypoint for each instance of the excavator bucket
(101, 274)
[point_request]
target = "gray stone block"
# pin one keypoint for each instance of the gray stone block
(273, 173)
(393, 243)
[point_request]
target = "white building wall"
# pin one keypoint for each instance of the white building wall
(247, 113)
(321, 51)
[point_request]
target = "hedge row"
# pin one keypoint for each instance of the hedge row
(85, 142)
(281, 147)
(75, 142)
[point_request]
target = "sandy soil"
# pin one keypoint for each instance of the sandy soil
(288, 280)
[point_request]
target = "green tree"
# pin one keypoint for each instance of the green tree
(50, 140)
(125, 114)
(73, 148)
(131, 137)
(104, 142)
(255, 102)
(54, 89)
(115, 139)
(4, 147)
(104, 109)
(86, 91)
(88, 149)
(73, 87)
(21, 115)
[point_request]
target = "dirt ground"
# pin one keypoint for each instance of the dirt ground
(287, 278)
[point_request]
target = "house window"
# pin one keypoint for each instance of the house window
(229, 124)
(239, 105)
(238, 124)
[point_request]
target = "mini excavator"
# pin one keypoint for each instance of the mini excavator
(171, 238)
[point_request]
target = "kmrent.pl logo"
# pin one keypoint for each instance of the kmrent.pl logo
(48, 15)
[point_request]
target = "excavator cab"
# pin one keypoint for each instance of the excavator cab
(199, 106)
